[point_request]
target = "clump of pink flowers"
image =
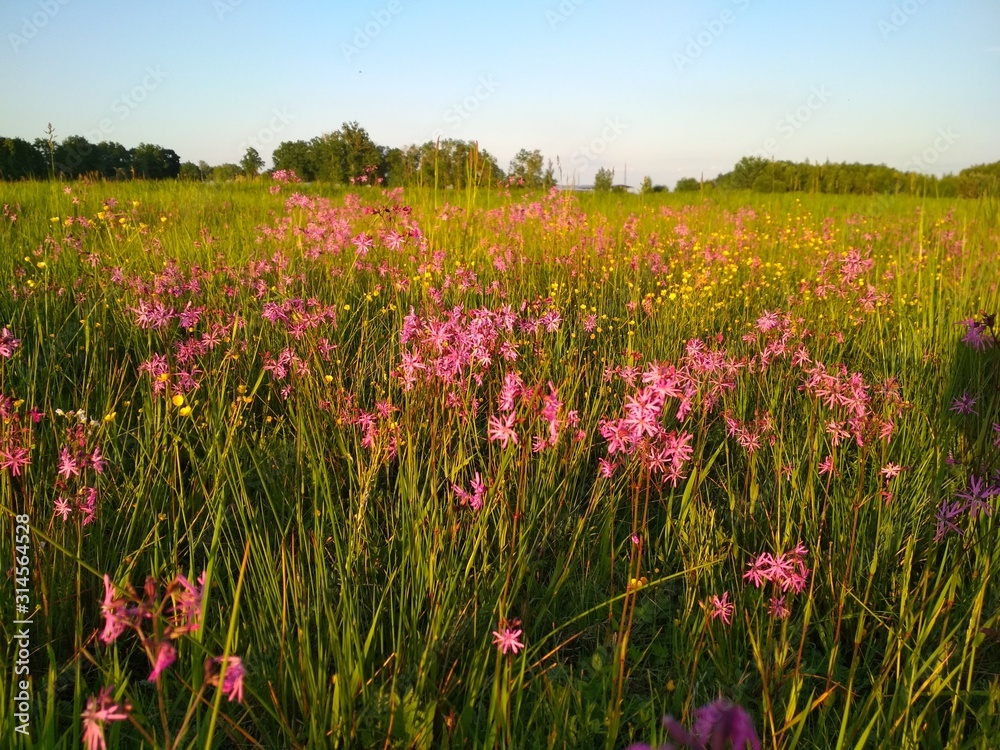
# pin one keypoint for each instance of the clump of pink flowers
(640, 431)
(178, 608)
(80, 463)
(473, 498)
(285, 176)
(980, 334)
(8, 344)
(158, 616)
(444, 350)
(717, 725)
(972, 501)
(786, 571)
(863, 413)
(16, 436)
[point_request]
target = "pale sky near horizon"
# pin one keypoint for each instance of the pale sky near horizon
(670, 89)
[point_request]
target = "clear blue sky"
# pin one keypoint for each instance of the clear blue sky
(671, 89)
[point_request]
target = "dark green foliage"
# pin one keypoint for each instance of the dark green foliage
(155, 162)
(454, 162)
(526, 170)
(768, 176)
(296, 156)
(350, 156)
(604, 180)
(980, 180)
(251, 162)
(20, 159)
(226, 172)
(344, 154)
(189, 171)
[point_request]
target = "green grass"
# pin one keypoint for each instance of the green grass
(343, 568)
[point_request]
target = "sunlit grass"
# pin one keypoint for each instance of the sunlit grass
(273, 440)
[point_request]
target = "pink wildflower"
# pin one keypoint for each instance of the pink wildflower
(99, 711)
(508, 639)
(974, 338)
(363, 243)
(768, 321)
(963, 404)
(97, 460)
(63, 508)
(14, 458)
(605, 468)
(68, 465)
(88, 505)
(502, 429)
(8, 343)
(165, 656)
(478, 492)
(777, 608)
(946, 516)
(890, 471)
(232, 680)
(787, 571)
(977, 496)
(721, 608)
(464, 498)
(115, 615)
(760, 570)
(717, 725)
(187, 609)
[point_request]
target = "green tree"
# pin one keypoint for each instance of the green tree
(526, 168)
(189, 171)
(153, 162)
(401, 166)
(687, 185)
(456, 163)
(549, 178)
(647, 185)
(362, 156)
(251, 162)
(979, 181)
(226, 172)
(347, 153)
(604, 180)
(296, 156)
(20, 160)
(746, 171)
(327, 152)
(948, 186)
(764, 183)
(113, 160)
(75, 156)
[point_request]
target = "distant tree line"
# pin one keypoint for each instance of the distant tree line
(75, 157)
(346, 156)
(767, 176)
(349, 156)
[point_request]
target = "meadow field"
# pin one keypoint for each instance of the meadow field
(287, 466)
